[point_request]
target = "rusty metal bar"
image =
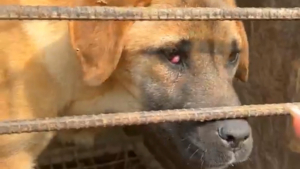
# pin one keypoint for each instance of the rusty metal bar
(144, 13)
(137, 118)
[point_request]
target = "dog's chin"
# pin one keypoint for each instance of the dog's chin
(198, 157)
(212, 158)
(235, 159)
(196, 152)
(192, 151)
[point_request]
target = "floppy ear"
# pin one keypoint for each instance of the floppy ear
(242, 70)
(99, 44)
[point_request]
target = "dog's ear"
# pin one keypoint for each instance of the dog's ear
(242, 70)
(99, 44)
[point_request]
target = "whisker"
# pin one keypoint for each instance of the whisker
(201, 159)
(183, 139)
(194, 153)
(188, 147)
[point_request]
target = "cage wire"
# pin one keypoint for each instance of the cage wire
(132, 154)
(16, 12)
(144, 117)
(129, 153)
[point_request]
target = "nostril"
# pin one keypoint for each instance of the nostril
(246, 137)
(233, 137)
(225, 136)
(229, 138)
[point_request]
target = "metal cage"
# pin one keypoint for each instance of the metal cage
(129, 153)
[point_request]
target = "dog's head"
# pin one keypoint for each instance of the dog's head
(174, 65)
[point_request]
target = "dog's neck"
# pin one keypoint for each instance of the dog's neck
(107, 98)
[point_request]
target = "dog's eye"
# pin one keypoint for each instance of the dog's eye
(233, 57)
(175, 59)
(235, 53)
(173, 56)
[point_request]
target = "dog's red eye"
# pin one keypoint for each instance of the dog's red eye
(175, 59)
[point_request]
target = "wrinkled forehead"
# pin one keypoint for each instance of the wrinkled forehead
(163, 33)
(145, 34)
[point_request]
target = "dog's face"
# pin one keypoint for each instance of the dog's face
(175, 65)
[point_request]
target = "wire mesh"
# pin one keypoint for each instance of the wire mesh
(144, 13)
(145, 117)
(112, 150)
(106, 154)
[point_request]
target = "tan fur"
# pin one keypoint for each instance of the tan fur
(55, 68)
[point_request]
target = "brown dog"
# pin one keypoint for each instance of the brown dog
(53, 68)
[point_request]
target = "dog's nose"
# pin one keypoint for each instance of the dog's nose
(234, 132)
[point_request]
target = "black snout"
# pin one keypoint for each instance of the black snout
(234, 132)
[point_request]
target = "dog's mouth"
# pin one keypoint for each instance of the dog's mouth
(197, 156)
(176, 151)
(217, 157)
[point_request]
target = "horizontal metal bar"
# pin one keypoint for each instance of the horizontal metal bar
(144, 13)
(137, 118)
